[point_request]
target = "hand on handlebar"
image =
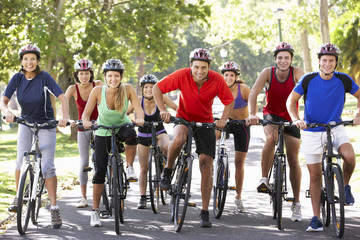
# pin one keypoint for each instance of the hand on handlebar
(165, 116)
(220, 123)
(300, 124)
(252, 120)
(139, 122)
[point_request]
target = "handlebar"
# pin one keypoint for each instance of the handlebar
(51, 123)
(265, 122)
(330, 124)
(112, 127)
(177, 120)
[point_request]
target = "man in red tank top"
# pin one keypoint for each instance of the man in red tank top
(279, 82)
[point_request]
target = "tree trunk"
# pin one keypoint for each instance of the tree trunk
(324, 21)
(140, 59)
(304, 38)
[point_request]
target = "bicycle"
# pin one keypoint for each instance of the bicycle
(32, 182)
(222, 171)
(277, 173)
(181, 176)
(157, 162)
(333, 193)
(116, 183)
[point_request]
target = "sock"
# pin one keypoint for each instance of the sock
(54, 207)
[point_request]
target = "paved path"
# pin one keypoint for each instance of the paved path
(256, 223)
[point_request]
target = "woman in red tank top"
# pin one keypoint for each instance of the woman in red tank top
(84, 78)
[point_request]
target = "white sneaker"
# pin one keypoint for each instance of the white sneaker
(296, 212)
(83, 203)
(130, 173)
(95, 218)
(239, 207)
(264, 185)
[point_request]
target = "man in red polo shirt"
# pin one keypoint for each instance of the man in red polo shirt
(199, 86)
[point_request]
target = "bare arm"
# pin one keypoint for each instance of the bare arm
(260, 82)
(94, 98)
(225, 115)
(293, 112)
(139, 113)
(64, 109)
(298, 72)
(168, 102)
(159, 100)
(357, 116)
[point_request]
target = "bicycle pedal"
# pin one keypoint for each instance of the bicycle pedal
(232, 188)
(87, 169)
(104, 214)
(307, 194)
(191, 204)
(132, 180)
(290, 199)
(263, 190)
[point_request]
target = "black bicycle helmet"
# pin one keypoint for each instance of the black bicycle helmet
(148, 78)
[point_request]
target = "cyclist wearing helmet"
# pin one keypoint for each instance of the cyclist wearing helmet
(240, 91)
(112, 103)
(84, 78)
(199, 86)
(152, 113)
(324, 96)
(33, 87)
(279, 82)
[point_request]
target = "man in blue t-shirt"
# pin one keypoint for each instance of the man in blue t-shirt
(324, 97)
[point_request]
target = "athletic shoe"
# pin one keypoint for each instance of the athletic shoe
(95, 218)
(13, 206)
(315, 225)
(264, 185)
(83, 203)
(165, 182)
(56, 221)
(130, 173)
(239, 207)
(349, 198)
(205, 219)
(296, 212)
(142, 203)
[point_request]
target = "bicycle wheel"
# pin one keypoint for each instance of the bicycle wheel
(161, 166)
(336, 184)
(182, 194)
(123, 191)
(325, 208)
(221, 186)
(273, 201)
(116, 193)
(24, 206)
(279, 190)
(154, 181)
(37, 203)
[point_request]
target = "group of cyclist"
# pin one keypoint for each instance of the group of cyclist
(108, 104)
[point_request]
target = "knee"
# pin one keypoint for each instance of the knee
(98, 180)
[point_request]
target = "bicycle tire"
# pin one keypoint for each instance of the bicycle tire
(221, 186)
(24, 206)
(338, 200)
(182, 193)
(279, 190)
(123, 191)
(116, 193)
(154, 181)
(272, 192)
(325, 208)
(162, 164)
(37, 203)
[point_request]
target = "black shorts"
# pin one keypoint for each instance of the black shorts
(145, 138)
(292, 131)
(241, 136)
(205, 141)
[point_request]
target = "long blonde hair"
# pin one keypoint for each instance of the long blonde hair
(120, 98)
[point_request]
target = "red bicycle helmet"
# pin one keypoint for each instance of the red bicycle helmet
(83, 65)
(29, 48)
(230, 66)
(200, 54)
(328, 49)
(283, 46)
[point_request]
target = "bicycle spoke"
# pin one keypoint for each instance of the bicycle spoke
(38, 200)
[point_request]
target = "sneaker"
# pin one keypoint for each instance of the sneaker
(264, 185)
(315, 225)
(165, 182)
(349, 198)
(56, 221)
(239, 207)
(83, 203)
(130, 173)
(95, 218)
(142, 203)
(205, 219)
(13, 206)
(296, 212)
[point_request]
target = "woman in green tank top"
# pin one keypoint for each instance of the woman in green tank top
(112, 101)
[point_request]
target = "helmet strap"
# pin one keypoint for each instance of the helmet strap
(328, 74)
(282, 70)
